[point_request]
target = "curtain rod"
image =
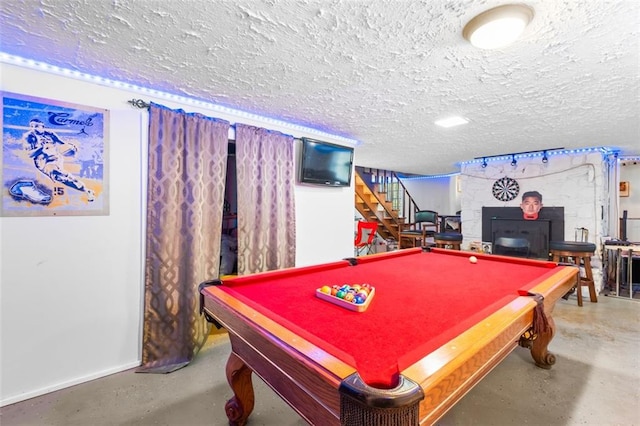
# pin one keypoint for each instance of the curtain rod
(140, 103)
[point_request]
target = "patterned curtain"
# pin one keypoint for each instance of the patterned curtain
(266, 208)
(187, 171)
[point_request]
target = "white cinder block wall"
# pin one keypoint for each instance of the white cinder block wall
(578, 182)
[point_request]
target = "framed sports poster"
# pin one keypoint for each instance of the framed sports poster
(54, 158)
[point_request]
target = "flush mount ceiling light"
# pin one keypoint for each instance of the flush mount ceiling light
(498, 27)
(451, 121)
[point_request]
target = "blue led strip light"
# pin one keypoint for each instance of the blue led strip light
(448, 175)
(41, 66)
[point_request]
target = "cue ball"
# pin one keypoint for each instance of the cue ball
(473, 259)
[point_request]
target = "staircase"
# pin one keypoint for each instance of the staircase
(381, 197)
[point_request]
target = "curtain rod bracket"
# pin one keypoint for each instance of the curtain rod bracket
(139, 103)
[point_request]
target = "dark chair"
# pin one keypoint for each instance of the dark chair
(518, 247)
(579, 253)
(448, 240)
(365, 235)
(424, 226)
(450, 224)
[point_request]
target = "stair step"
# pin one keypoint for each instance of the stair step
(372, 203)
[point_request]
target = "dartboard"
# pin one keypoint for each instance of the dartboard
(505, 189)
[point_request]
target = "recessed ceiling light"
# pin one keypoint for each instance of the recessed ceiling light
(451, 121)
(498, 27)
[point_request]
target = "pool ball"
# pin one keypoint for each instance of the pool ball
(325, 289)
(473, 259)
(362, 293)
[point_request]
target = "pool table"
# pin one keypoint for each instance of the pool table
(436, 325)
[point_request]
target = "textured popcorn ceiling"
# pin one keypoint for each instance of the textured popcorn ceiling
(378, 71)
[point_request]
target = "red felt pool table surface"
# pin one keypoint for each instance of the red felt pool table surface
(424, 301)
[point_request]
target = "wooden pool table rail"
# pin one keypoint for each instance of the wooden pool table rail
(303, 375)
(452, 370)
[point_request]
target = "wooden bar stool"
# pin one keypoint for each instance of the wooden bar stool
(450, 240)
(578, 253)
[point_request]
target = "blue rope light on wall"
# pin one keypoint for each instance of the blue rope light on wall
(41, 66)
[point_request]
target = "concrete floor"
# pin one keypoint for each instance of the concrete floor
(596, 381)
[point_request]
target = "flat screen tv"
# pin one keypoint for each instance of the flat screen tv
(326, 164)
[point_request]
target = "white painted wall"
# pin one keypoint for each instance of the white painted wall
(438, 194)
(324, 224)
(71, 287)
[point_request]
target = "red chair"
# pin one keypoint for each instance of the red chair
(365, 236)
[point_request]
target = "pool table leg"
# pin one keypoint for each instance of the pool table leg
(240, 406)
(538, 343)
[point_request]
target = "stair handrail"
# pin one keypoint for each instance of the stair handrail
(383, 181)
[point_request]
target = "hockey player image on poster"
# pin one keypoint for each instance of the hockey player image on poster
(53, 158)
